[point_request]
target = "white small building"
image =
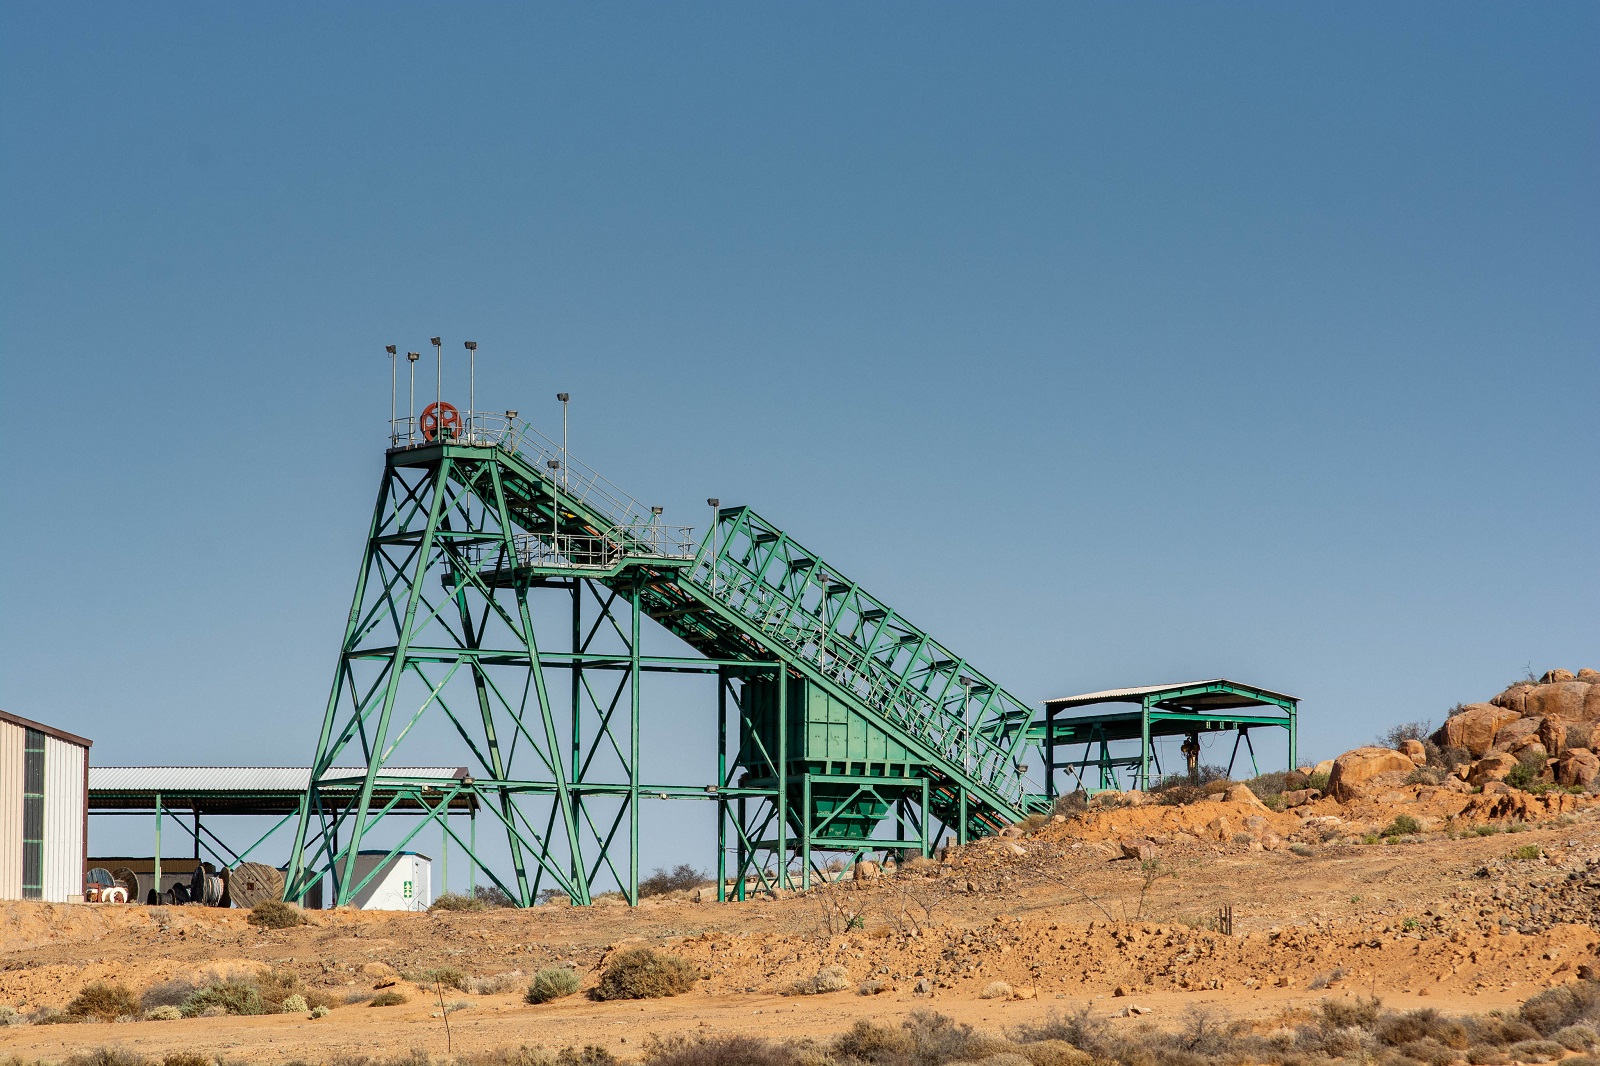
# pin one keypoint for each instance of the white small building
(44, 810)
(403, 883)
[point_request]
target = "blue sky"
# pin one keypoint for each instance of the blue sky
(1111, 343)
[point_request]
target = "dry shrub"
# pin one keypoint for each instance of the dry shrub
(387, 998)
(277, 986)
(105, 1056)
(1036, 820)
(187, 1058)
(1070, 803)
(729, 1050)
(1400, 1030)
(1576, 1037)
(448, 976)
(232, 996)
(552, 982)
(104, 1001)
(1080, 1028)
(645, 974)
(1556, 1008)
(276, 914)
(494, 984)
(1487, 1055)
(171, 993)
(1498, 1030)
(1358, 1012)
(457, 901)
(680, 878)
(1536, 1051)
(165, 1013)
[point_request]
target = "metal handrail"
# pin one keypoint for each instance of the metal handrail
(586, 551)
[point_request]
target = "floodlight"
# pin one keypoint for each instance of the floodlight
(470, 346)
(389, 348)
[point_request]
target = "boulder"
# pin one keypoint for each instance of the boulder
(1242, 794)
(1492, 767)
(1323, 767)
(1271, 842)
(1354, 770)
(1569, 699)
(1579, 766)
(1553, 734)
(865, 870)
(1413, 750)
(1475, 727)
(1591, 676)
(1220, 829)
(1139, 849)
(1555, 677)
(1512, 734)
(1529, 748)
(1299, 797)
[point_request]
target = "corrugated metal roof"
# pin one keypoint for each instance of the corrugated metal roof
(1134, 695)
(254, 779)
(47, 730)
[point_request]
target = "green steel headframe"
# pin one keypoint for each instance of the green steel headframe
(844, 713)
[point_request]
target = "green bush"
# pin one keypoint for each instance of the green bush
(645, 974)
(552, 982)
(104, 1001)
(1525, 853)
(232, 996)
(276, 914)
(294, 1004)
(448, 976)
(1403, 826)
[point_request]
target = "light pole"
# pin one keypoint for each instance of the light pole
(438, 414)
(714, 503)
(411, 420)
(563, 397)
(472, 383)
(394, 364)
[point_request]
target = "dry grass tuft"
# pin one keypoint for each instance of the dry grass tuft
(276, 914)
(104, 1001)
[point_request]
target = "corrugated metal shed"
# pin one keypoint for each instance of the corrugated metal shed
(11, 741)
(43, 810)
(65, 816)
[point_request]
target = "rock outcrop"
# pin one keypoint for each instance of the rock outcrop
(1355, 771)
(1475, 727)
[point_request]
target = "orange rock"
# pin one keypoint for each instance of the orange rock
(1492, 767)
(1413, 750)
(1354, 769)
(1553, 734)
(1579, 766)
(1475, 727)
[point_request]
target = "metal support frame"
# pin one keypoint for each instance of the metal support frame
(467, 531)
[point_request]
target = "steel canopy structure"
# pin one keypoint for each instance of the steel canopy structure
(197, 793)
(1184, 709)
(837, 719)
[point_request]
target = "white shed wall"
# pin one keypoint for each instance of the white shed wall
(12, 739)
(64, 812)
(402, 885)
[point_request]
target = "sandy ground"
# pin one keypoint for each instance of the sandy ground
(1059, 916)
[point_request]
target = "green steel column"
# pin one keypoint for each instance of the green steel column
(158, 848)
(922, 820)
(722, 782)
(444, 849)
(783, 777)
(472, 841)
(961, 806)
(1294, 754)
(577, 709)
(805, 836)
(633, 743)
(739, 891)
(1144, 744)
